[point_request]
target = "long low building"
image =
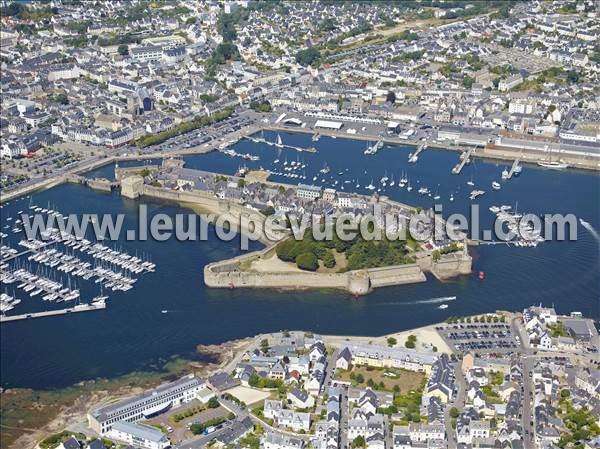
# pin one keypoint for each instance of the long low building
(383, 357)
(328, 124)
(150, 403)
(139, 435)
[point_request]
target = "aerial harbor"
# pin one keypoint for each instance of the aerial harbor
(299, 225)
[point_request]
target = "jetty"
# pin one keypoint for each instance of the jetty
(414, 157)
(515, 166)
(74, 309)
(465, 156)
(280, 145)
(29, 250)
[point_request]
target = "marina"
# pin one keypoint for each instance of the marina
(39, 269)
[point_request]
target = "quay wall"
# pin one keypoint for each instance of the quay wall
(491, 151)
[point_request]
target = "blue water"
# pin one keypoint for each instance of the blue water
(133, 334)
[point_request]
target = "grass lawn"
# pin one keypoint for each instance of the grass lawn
(406, 380)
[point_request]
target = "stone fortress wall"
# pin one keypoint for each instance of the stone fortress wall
(232, 273)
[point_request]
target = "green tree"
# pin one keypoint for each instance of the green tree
(391, 341)
(308, 56)
(213, 402)
(454, 412)
(328, 260)
(123, 49)
(467, 82)
(359, 441)
(307, 261)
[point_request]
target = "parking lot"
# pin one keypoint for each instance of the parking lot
(479, 337)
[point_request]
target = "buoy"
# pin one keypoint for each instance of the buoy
(481, 275)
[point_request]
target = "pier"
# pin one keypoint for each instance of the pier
(74, 309)
(464, 159)
(414, 157)
(282, 145)
(29, 250)
(514, 167)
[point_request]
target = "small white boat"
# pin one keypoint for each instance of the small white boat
(496, 185)
(443, 306)
(555, 165)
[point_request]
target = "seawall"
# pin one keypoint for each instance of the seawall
(236, 272)
(233, 273)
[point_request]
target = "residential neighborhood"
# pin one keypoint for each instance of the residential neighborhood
(294, 390)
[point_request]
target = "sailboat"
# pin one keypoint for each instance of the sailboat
(437, 196)
(279, 143)
(471, 183)
(408, 187)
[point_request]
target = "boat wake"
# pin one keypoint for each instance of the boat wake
(421, 301)
(590, 228)
(435, 300)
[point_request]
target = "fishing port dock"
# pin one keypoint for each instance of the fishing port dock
(78, 308)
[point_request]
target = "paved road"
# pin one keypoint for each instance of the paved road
(344, 415)
(458, 402)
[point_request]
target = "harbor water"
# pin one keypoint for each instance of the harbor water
(170, 311)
